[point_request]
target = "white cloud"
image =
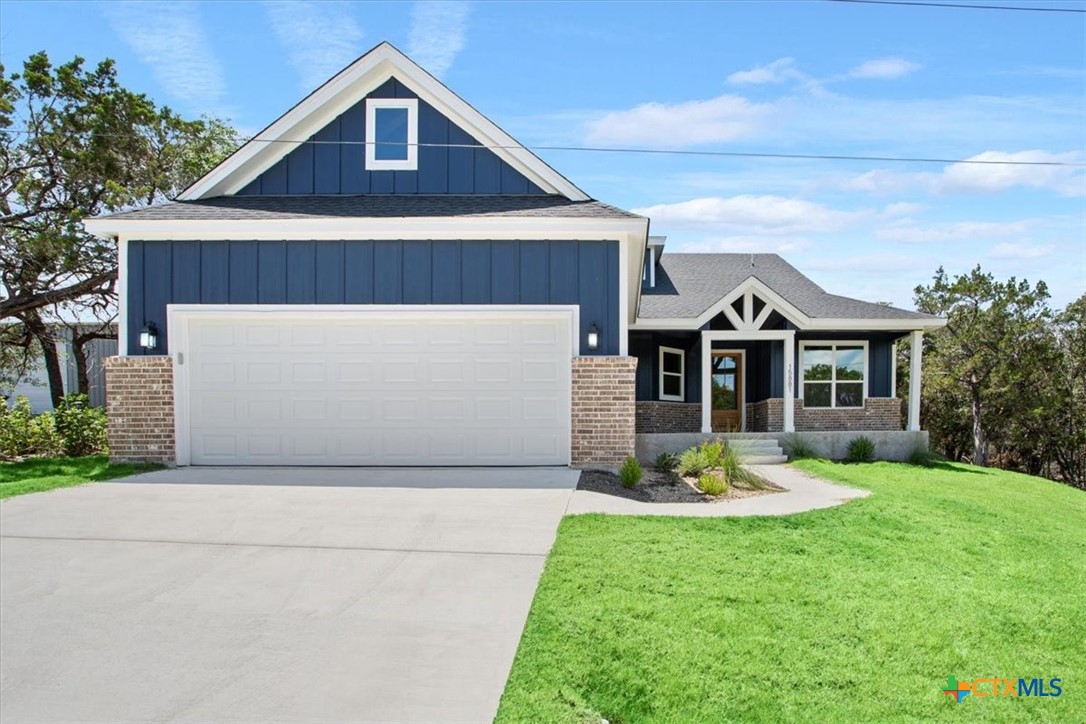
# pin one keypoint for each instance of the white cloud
(169, 37)
(321, 38)
(776, 72)
(883, 69)
(747, 244)
(437, 34)
(661, 125)
(993, 178)
(1011, 250)
(902, 208)
(910, 232)
(763, 214)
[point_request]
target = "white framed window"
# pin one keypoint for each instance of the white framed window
(672, 374)
(392, 134)
(834, 374)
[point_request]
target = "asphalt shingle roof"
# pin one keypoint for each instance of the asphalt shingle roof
(252, 208)
(688, 284)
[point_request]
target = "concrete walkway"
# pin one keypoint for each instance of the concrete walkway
(803, 493)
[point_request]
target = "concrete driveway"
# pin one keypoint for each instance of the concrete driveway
(272, 595)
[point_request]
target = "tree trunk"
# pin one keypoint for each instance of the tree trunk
(980, 439)
(79, 355)
(48, 344)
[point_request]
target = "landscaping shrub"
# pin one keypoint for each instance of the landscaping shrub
(713, 452)
(82, 427)
(712, 484)
(15, 428)
(74, 429)
(861, 450)
(666, 462)
(630, 473)
(798, 448)
(692, 462)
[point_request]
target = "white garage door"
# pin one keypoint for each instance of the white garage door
(455, 388)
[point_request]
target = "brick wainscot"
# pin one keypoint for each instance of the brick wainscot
(878, 413)
(139, 402)
(602, 411)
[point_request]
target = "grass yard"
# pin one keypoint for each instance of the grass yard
(38, 474)
(858, 613)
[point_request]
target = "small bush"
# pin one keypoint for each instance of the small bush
(15, 428)
(74, 429)
(630, 473)
(692, 462)
(712, 484)
(83, 428)
(861, 450)
(45, 439)
(665, 462)
(798, 448)
(713, 452)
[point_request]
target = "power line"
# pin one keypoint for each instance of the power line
(662, 152)
(917, 3)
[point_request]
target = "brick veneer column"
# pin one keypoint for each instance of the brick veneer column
(603, 416)
(139, 402)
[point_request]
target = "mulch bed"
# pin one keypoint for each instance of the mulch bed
(658, 487)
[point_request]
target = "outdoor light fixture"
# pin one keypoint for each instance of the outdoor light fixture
(593, 337)
(149, 336)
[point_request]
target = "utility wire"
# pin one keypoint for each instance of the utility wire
(917, 3)
(661, 152)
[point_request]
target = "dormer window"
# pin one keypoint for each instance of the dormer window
(392, 134)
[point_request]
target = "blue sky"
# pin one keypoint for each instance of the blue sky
(778, 77)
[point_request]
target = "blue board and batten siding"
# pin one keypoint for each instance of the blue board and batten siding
(450, 161)
(584, 273)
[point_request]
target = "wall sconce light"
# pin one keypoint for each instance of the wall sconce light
(593, 337)
(149, 336)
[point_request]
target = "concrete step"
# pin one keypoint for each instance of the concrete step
(767, 444)
(763, 459)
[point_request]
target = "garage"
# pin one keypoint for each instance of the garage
(372, 385)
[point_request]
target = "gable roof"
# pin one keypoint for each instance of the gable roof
(345, 89)
(689, 286)
(259, 208)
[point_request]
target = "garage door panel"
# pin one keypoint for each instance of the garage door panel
(355, 391)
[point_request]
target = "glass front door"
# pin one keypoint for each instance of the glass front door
(727, 410)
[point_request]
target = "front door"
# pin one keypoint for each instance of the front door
(727, 391)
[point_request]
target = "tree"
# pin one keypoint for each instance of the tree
(1066, 425)
(73, 144)
(992, 350)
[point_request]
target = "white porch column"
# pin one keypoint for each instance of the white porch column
(789, 382)
(706, 384)
(916, 353)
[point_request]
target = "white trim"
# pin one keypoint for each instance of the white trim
(916, 355)
(681, 374)
(431, 227)
(122, 296)
(787, 336)
(179, 315)
(741, 383)
(625, 311)
(344, 90)
(775, 301)
(834, 344)
(411, 163)
(652, 266)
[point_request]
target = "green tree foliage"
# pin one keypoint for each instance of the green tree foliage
(1005, 380)
(73, 144)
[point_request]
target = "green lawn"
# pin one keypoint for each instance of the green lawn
(858, 613)
(38, 474)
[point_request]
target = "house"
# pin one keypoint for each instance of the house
(34, 383)
(382, 276)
